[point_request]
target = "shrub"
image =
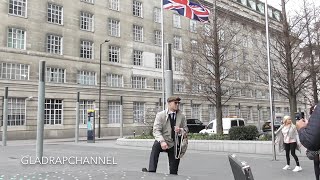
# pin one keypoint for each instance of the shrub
(265, 137)
(191, 136)
(143, 136)
(243, 133)
(197, 136)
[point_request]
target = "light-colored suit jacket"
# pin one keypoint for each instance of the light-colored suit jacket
(162, 126)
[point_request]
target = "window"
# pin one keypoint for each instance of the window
(178, 86)
(258, 94)
(137, 58)
(225, 111)
(114, 28)
(207, 30)
(14, 71)
(114, 5)
(245, 57)
(157, 38)
(138, 82)
(138, 33)
(196, 111)
(181, 107)
(234, 123)
(212, 112)
(176, 21)
(88, 1)
(86, 78)
(157, 84)
(55, 75)
(241, 123)
(254, 42)
(177, 43)
(86, 50)
(53, 111)
(194, 46)
(157, 15)
(16, 112)
(234, 56)
(286, 110)
(16, 38)
(54, 44)
(86, 21)
(138, 112)
(137, 8)
(177, 64)
(114, 54)
(18, 7)
(85, 105)
(114, 80)
(244, 41)
(193, 26)
(158, 61)
(196, 87)
(55, 14)
(114, 112)
(221, 35)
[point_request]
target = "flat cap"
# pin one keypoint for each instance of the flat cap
(173, 98)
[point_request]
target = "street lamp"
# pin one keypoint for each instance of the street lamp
(99, 128)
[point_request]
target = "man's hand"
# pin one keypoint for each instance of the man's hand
(177, 129)
(301, 124)
(164, 145)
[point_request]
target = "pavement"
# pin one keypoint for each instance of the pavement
(18, 161)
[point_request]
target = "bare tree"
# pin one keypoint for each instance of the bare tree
(209, 61)
(289, 72)
(309, 15)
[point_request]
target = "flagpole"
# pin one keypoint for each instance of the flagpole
(162, 57)
(269, 80)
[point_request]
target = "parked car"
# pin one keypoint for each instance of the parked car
(267, 126)
(227, 123)
(195, 125)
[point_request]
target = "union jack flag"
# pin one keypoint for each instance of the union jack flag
(188, 9)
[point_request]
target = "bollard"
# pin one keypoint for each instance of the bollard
(77, 118)
(5, 117)
(134, 133)
(41, 105)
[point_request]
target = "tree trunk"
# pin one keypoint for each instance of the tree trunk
(293, 104)
(289, 63)
(217, 73)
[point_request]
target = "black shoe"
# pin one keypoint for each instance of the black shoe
(145, 170)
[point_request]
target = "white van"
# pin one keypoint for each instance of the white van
(227, 123)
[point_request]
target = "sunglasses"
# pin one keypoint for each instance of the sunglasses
(177, 102)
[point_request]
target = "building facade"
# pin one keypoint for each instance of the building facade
(68, 36)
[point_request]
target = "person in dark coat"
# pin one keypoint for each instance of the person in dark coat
(309, 131)
(314, 154)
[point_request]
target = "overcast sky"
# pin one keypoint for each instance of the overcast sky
(291, 5)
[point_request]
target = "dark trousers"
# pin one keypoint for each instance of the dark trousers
(291, 147)
(154, 157)
(316, 166)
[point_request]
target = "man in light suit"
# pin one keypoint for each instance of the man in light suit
(166, 123)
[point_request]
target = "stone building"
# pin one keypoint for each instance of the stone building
(68, 36)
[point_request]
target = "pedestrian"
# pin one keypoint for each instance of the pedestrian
(312, 155)
(166, 124)
(288, 140)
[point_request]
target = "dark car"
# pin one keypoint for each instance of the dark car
(195, 125)
(267, 126)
